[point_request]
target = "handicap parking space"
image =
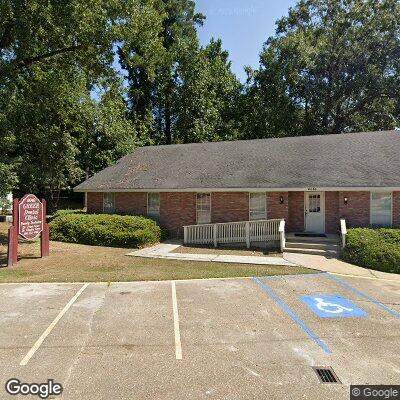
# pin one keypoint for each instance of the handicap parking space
(231, 316)
(363, 340)
(312, 297)
(387, 292)
(239, 338)
(244, 344)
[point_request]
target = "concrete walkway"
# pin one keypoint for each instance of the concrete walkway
(336, 266)
(165, 250)
(320, 263)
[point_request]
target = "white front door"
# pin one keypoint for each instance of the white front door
(315, 212)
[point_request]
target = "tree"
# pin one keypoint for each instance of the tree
(333, 66)
(55, 33)
(152, 77)
(104, 133)
(52, 56)
(184, 93)
(206, 97)
(61, 132)
(41, 117)
(8, 175)
(8, 178)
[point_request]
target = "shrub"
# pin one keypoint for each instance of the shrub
(377, 249)
(105, 230)
(64, 212)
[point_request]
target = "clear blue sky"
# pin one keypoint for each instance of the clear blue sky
(243, 26)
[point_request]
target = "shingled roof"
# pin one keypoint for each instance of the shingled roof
(352, 160)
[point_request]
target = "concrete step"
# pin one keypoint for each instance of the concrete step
(316, 240)
(311, 245)
(318, 252)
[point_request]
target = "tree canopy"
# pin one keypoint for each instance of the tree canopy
(332, 67)
(84, 83)
(53, 57)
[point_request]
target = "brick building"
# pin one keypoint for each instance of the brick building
(311, 182)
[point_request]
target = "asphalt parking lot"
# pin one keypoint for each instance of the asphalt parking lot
(219, 339)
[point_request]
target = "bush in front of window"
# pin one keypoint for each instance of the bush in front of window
(105, 230)
(58, 213)
(378, 249)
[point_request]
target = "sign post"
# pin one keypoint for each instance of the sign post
(29, 222)
(45, 238)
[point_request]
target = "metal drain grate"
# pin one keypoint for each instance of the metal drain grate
(326, 375)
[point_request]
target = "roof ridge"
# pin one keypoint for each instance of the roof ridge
(268, 138)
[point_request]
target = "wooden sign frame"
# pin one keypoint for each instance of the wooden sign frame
(13, 233)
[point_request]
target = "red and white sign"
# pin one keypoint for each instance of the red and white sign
(30, 222)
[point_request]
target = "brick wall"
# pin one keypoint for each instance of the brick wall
(396, 209)
(131, 203)
(234, 206)
(229, 207)
(95, 202)
(332, 220)
(276, 210)
(296, 212)
(357, 210)
(177, 210)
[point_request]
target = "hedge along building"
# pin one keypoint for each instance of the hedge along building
(311, 182)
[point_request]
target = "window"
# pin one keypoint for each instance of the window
(314, 203)
(109, 203)
(257, 206)
(153, 205)
(203, 208)
(381, 208)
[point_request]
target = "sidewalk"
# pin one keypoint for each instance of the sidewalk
(165, 250)
(336, 266)
(319, 263)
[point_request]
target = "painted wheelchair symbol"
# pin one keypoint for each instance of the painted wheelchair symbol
(332, 306)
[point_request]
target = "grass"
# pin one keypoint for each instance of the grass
(80, 263)
(238, 251)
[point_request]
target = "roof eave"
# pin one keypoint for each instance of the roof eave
(240, 189)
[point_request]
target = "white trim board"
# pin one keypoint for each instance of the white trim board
(216, 190)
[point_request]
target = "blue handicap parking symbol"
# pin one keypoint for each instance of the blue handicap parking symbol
(332, 306)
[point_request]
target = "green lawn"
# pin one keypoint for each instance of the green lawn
(81, 263)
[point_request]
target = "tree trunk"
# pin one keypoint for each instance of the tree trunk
(168, 133)
(87, 177)
(54, 199)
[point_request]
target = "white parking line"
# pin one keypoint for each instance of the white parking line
(178, 347)
(39, 342)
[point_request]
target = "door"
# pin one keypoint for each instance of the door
(315, 212)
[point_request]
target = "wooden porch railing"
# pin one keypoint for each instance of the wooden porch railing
(235, 232)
